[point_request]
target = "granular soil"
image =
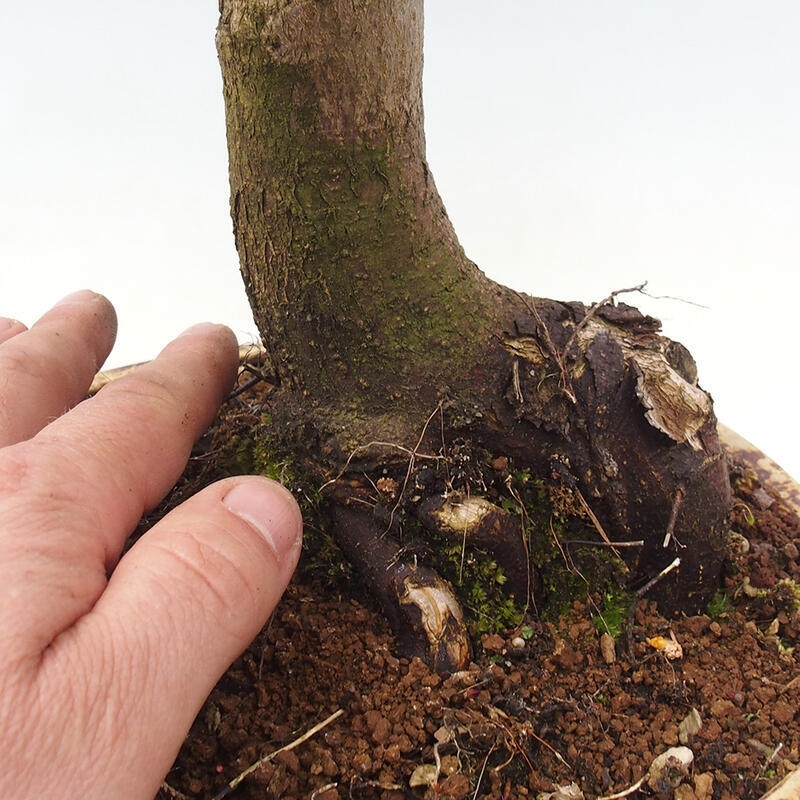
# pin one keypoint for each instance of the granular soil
(551, 709)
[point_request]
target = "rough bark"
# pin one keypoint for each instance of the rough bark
(357, 279)
(390, 344)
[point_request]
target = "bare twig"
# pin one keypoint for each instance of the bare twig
(651, 583)
(595, 308)
(165, 787)
(362, 447)
(674, 564)
(570, 564)
(483, 770)
(599, 528)
(673, 517)
(248, 353)
(523, 519)
(414, 454)
(357, 785)
(322, 789)
(772, 756)
(496, 715)
(625, 792)
(261, 761)
(559, 358)
(592, 543)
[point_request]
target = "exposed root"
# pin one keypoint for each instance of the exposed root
(421, 606)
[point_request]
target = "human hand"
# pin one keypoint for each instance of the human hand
(105, 662)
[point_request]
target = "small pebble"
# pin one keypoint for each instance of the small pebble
(608, 648)
(790, 551)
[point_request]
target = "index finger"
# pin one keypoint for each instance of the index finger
(45, 370)
(70, 496)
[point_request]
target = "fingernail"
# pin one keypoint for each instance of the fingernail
(271, 510)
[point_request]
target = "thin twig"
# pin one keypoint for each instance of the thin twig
(388, 445)
(523, 519)
(257, 378)
(494, 715)
(261, 761)
(483, 769)
(651, 583)
(165, 787)
(599, 528)
(570, 564)
(593, 543)
(638, 596)
(772, 756)
(551, 749)
(595, 308)
(625, 792)
(673, 517)
(323, 789)
(559, 358)
(414, 453)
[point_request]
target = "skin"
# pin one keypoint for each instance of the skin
(105, 662)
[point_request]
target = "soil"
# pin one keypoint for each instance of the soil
(550, 704)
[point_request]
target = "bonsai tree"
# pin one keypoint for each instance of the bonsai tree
(448, 423)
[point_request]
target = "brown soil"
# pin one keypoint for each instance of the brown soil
(540, 707)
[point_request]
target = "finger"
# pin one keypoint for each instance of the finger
(184, 602)
(47, 369)
(70, 496)
(10, 327)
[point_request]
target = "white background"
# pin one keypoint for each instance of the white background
(580, 147)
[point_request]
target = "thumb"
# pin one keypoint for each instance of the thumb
(181, 605)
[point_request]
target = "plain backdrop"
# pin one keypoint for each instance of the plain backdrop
(581, 147)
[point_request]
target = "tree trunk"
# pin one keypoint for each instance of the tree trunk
(411, 383)
(355, 275)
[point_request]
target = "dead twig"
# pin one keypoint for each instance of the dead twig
(599, 528)
(165, 787)
(225, 792)
(368, 446)
(595, 308)
(561, 357)
(497, 716)
(357, 785)
(674, 564)
(483, 770)
(248, 353)
(558, 357)
(523, 520)
(625, 792)
(673, 517)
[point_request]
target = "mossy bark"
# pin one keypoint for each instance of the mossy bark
(374, 319)
(358, 283)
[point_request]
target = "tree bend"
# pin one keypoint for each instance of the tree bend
(373, 316)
